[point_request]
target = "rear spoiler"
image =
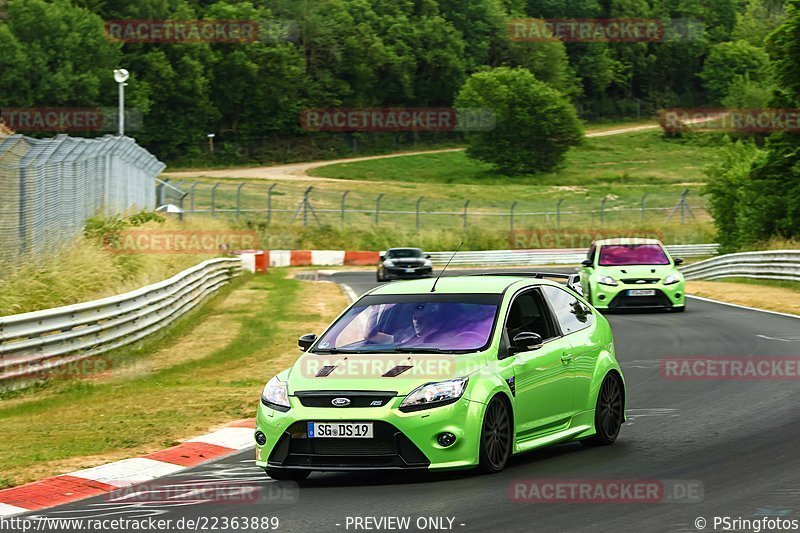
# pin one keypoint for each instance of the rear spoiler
(572, 281)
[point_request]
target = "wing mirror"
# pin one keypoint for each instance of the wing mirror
(306, 341)
(525, 342)
(574, 283)
(587, 263)
(678, 261)
(427, 256)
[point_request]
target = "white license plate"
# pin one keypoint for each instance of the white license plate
(340, 430)
(409, 270)
(642, 292)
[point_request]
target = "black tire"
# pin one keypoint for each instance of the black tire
(287, 475)
(608, 412)
(379, 277)
(496, 437)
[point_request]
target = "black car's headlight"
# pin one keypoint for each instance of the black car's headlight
(275, 395)
(434, 395)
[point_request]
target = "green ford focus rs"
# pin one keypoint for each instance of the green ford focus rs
(461, 376)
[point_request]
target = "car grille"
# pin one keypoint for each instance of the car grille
(389, 448)
(623, 301)
(640, 281)
(357, 398)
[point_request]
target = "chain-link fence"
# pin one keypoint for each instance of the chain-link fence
(279, 203)
(49, 187)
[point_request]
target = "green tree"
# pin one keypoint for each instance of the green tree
(731, 60)
(535, 124)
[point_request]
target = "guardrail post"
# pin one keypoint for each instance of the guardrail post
(180, 204)
(191, 198)
(344, 203)
(644, 199)
(511, 217)
(269, 203)
(378, 209)
(419, 200)
(214, 199)
(239, 200)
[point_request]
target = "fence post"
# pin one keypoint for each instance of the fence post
(269, 203)
(558, 213)
(603, 210)
(511, 217)
(684, 194)
(191, 200)
(644, 199)
(22, 231)
(239, 200)
(418, 202)
(305, 205)
(378, 209)
(344, 202)
(213, 199)
(466, 205)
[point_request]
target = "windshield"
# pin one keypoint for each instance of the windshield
(412, 326)
(632, 254)
(404, 253)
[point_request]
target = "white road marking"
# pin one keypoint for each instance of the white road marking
(10, 510)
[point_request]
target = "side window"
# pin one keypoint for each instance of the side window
(571, 314)
(529, 313)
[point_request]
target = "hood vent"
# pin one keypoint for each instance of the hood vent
(396, 371)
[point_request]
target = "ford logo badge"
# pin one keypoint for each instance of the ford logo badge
(341, 402)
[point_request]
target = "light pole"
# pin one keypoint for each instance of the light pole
(121, 76)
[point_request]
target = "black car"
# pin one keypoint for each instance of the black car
(404, 263)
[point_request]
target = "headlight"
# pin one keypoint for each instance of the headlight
(672, 279)
(607, 280)
(388, 263)
(428, 263)
(434, 395)
(275, 395)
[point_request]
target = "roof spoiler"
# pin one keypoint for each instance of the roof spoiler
(572, 281)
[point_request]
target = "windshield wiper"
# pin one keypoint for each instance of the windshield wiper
(411, 349)
(336, 351)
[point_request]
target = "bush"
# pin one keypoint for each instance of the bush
(535, 124)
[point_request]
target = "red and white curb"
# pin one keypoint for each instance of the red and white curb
(285, 258)
(109, 477)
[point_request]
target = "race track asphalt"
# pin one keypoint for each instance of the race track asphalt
(738, 439)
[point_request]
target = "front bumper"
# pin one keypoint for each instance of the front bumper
(403, 273)
(402, 441)
(617, 298)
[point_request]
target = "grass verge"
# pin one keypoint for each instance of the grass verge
(780, 296)
(207, 371)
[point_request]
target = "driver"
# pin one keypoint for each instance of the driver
(425, 324)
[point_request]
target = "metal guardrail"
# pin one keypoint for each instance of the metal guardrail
(552, 257)
(778, 265)
(35, 343)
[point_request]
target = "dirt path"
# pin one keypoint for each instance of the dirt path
(299, 171)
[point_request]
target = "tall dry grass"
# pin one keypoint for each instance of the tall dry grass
(87, 270)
